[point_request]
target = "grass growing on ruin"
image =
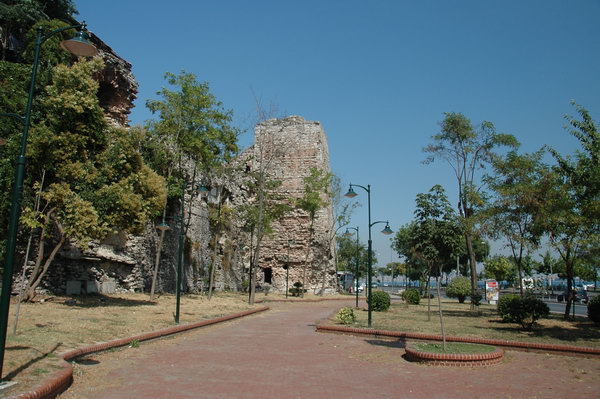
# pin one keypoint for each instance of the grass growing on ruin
(62, 323)
(460, 321)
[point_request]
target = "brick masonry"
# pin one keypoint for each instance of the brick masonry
(570, 350)
(456, 360)
(292, 146)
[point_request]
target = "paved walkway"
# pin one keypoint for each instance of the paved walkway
(277, 354)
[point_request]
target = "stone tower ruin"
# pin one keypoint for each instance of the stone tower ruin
(292, 146)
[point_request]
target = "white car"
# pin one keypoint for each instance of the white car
(361, 288)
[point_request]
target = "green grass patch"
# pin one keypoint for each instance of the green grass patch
(460, 321)
(454, 347)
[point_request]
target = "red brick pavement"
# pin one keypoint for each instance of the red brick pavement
(278, 354)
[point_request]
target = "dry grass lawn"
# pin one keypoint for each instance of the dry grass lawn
(460, 321)
(62, 323)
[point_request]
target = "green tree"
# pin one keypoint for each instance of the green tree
(498, 267)
(590, 263)
(459, 287)
(436, 237)
(15, 74)
(467, 150)
(96, 181)
(17, 17)
(347, 253)
(395, 269)
(342, 210)
(258, 216)
(402, 243)
(572, 206)
(520, 184)
(316, 196)
(190, 141)
(481, 248)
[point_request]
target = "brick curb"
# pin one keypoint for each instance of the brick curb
(304, 300)
(455, 359)
(569, 350)
(62, 379)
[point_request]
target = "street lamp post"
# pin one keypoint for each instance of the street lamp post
(201, 189)
(357, 254)
(386, 231)
(287, 268)
(79, 45)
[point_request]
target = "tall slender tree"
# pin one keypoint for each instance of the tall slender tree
(435, 237)
(316, 196)
(572, 207)
(192, 137)
(467, 151)
(519, 184)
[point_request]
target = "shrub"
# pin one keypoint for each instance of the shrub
(380, 301)
(460, 288)
(594, 309)
(266, 288)
(297, 290)
(411, 296)
(525, 311)
(476, 298)
(346, 316)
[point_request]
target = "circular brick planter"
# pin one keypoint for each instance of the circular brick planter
(454, 359)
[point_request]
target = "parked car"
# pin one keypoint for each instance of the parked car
(361, 288)
(581, 296)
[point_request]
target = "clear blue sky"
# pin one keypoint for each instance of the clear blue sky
(378, 75)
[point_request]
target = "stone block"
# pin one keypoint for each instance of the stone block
(108, 287)
(74, 287)
(91, 287)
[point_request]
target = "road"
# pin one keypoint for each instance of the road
(555, 307)
(559, 307)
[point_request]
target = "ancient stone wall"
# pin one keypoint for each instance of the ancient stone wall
(118, 87)
(291, 147)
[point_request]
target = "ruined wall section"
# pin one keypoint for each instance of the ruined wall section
(117, 85)
(293, 146)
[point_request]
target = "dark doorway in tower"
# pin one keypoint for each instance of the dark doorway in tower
(268, 275)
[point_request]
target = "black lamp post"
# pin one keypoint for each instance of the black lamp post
(347, 234)
(201, 189)
(386, 231)
(287, 268)
(81, 46)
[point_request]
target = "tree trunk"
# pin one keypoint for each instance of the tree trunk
(570, 293)
(427, 289)
(324, 282)
(30, 293)
(211, 279)
(441, 314)
(472, 265)
(22, 289)
(156, 263)
(308, 247)
(38, 197)
(215, 242)
(254, 266)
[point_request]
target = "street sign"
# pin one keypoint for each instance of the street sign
(492, 291)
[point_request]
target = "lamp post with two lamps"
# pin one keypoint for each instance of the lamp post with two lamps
(386, 230)
(78, 45)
